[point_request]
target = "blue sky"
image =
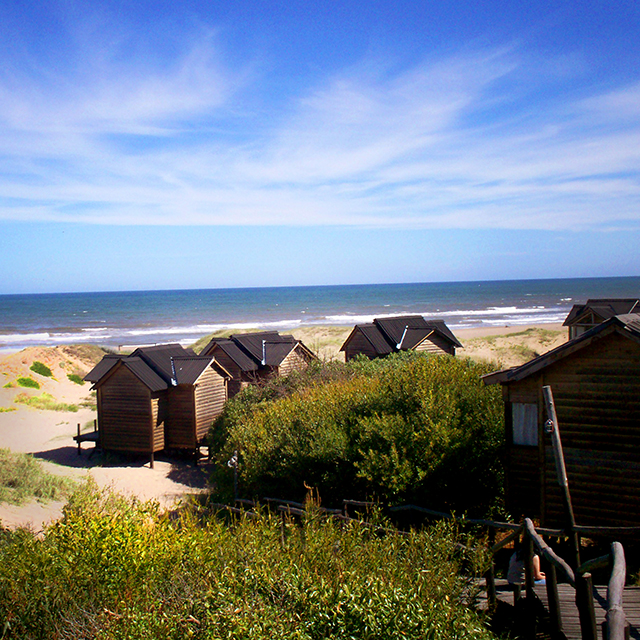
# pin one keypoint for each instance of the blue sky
(155, 145)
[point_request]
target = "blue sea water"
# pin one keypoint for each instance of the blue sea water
(149, 317)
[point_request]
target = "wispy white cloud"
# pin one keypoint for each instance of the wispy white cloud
(440, 145)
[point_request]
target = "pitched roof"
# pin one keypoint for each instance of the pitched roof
(627, 325)
(233, 351)
(248, 350)
(144, 373)
(405, 332)
(401, 333)
(159, 357)
(251, 343)
(603, 307)
(154, 366)
(103, 367)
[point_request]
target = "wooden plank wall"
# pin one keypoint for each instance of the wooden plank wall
(180, 426)
(435, 344)
(210, 396)
(358, 344)
(124, 413)
(597, 397)
(293, 362)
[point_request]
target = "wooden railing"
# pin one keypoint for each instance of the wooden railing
(615, 626)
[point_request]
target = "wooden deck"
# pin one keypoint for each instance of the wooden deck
(569, 611)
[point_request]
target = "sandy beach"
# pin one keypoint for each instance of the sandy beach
(48, 435)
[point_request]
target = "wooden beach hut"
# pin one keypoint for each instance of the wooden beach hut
(157, 398)
(595, 380)
(196, 398)
(384, 336)
(254, 357)
(583, 317)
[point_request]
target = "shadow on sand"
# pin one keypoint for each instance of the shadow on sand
(182, 470)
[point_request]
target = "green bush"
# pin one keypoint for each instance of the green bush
(29, 383)
(75, 378)
(41, 369)
(115, 568)
(406, 428)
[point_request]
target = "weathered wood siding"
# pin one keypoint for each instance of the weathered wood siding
(180, 427)
(358, 344)
(159, 409)
(295, 361)
(127, 414)
(597, 396)
(210, 396)
(435, 344)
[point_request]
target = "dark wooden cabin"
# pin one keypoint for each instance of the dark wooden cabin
(384, 336)
(253, 357)
(162, 397)
(595, 380)
(196, 398)
(583, 317)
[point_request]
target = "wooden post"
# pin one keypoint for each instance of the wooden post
(491, 586)
(553, 428)
(151, 461)
(79, 447)
(615, 626)
(584, 602)
(528, 567)
(555, 614)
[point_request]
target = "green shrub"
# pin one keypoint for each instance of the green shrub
(46, 402)
(22, 478)
(75, 378)
(29, 383)
(41, 369)
(406, 428)
(116, 568)
(7, 409)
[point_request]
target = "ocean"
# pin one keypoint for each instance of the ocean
(127, 318)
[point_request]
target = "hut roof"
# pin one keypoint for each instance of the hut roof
(604, 308)
(240, 357)
(627, 325)
(103, 367)
(159, 357)
(144, 373)
(401, 333)
(248, 350)
(154, 366)
(189, 368)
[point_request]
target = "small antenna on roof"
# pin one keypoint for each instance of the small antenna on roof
(404, 333)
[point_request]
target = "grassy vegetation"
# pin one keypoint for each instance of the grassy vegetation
(90, 402)
(409, 428)
(22, 479)
(41, 369)
(7, 409)
(28, 383)
(75, 378)
(114, 568)
(46, 402)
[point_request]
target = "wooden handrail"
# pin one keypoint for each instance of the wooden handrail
(548, 553)
(615, 619)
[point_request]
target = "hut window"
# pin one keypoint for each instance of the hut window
(525, 423)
